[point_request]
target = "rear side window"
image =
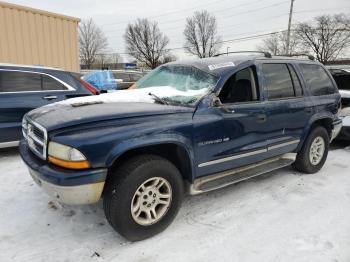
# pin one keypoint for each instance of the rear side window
(14, 81)
(48, 83)
(11, 81)
(278, 81)
(317, 79)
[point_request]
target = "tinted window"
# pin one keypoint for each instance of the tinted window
(343, 81)
(51, 84)
(278, 81)
(296, 82)
(317, 80)
(11, 81)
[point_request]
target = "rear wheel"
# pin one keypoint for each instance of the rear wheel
(314, 152)
(143, 196)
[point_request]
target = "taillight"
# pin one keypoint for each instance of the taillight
(88, 86)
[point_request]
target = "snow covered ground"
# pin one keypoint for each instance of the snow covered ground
(282, 216)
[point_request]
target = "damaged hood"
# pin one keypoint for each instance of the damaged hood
(120, 104)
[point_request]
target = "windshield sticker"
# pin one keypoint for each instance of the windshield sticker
(221, 65)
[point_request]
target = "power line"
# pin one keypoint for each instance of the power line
(259, 35)
(318, 10)
(221, 42)
(231, 27)
(166, 14)
(221, 17)
(240, 39)
(245, 37)
(296, 12)
(234, 14)
(336, 29)
(186, 9)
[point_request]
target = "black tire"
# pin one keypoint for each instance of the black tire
(303, 161)
(122, 184)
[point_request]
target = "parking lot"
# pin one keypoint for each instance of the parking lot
(281, 216)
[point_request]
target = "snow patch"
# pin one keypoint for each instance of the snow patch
(134, 95)
(269, 218)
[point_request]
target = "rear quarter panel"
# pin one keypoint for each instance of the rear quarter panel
(325, 106)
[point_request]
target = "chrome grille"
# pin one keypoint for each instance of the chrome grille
(36, 137)
(38, 133)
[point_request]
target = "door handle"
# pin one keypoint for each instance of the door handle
(50, 97)
(260, 118)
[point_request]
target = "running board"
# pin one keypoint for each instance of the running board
(233, 176)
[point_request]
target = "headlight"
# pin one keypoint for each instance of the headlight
(66, 156)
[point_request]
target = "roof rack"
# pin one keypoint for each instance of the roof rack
(266, 54)
(310, 57)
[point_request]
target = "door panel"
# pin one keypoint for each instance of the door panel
(229, 137)
(233, 134)
(284, 106)
(282, 138)
(22, 91)
(278, 115)
(301, 110)
(13, 106)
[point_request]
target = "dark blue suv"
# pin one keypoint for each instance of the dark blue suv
(23, 88)
(190, 126)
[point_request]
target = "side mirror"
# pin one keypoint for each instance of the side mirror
(216, 102)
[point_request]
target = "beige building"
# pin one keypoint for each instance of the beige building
(35, 37)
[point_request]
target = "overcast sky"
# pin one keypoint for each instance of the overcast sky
(236, 18)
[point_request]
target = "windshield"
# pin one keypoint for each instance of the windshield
(184, 84)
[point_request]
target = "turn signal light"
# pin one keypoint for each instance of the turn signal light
(69, 164)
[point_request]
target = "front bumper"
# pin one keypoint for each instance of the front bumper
(70, 187)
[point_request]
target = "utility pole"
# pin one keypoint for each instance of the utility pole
(227, 50)
(289, 25)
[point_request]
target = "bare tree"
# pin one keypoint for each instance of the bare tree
(276, 44)
(92, 42)
(201, 35)
(271, 44)
(146, 42)
(116, 58)
(169, 58)
(327, 36)
(102, 59)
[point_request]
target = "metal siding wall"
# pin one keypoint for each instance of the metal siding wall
(38, 38)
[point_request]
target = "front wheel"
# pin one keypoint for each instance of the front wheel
(314, 152)
(143, 196)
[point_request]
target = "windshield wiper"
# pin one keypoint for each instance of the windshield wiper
(158, 99)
